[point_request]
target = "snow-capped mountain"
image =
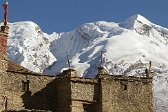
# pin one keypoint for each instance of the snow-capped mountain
(29, 46)
(127, 48)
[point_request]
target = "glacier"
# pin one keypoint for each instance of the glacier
(127, 48)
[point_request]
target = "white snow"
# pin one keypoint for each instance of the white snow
(128, 47)
(28, 46)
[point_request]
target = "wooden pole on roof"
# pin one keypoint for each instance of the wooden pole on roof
(69, 65)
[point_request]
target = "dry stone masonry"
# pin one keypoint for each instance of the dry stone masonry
(69, 93)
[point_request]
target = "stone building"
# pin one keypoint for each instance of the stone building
(22, 90)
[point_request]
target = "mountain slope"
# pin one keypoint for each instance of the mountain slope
(28, 46)
(127, 48)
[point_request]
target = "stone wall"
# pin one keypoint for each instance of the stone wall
(26, 110)
(84, 89)
(41, 87)
(3, 63)
(69, 93)
(84, 94)
(63, 95)
(126, 94)
(45, 92)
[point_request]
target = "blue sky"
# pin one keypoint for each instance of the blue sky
(66, 15)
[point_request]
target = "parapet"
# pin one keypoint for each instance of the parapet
(68, 73)
(101, 73)
(130, 78)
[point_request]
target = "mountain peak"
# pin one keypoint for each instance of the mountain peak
(135, 21)
(140, 18)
